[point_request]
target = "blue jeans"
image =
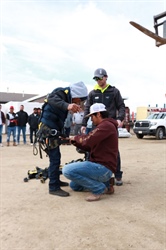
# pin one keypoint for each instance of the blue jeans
(87, 175)
(1, 127)
(11, 130)
(53, 170)
(23, 128)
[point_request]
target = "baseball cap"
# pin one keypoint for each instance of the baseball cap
(100, 73)
(11, 107)
(97, 107)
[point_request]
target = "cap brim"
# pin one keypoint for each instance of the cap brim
(99, 76)
(88, 115)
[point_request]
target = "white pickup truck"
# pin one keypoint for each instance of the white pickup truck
(154, 124)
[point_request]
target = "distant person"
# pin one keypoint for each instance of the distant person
(77, 121)
(22, 119)
(2, 122)
(33, 121)
(11, 126)
(68, 124)
(39, 112)
(111, 97)
(89, 126)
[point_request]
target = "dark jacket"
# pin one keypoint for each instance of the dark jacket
(33, 121)
(102, 143)
(111, 98)
(54, 110)
(22, 118)
(3, 118)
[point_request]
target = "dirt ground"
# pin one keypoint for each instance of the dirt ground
(132, 218)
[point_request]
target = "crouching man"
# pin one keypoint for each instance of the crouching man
(102, 143)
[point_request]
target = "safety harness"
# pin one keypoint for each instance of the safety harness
(46, 139)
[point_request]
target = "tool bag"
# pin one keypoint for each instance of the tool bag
(37, 173)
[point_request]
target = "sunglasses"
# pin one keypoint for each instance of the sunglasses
(98, 78)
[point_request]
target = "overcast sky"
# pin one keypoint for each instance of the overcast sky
(47, 44)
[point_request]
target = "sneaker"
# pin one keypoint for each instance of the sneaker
(118, 182)
(59, 192)
(64, 184)
(31, 144)
(1, 145)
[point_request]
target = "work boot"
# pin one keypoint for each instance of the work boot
(14, 144)
(64, 184)
(59, 192)
(8, 144)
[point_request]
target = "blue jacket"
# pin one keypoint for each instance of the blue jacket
(54, 110)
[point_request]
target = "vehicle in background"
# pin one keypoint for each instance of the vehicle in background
(154, 124)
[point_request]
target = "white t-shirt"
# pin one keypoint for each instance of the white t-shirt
(78, 117)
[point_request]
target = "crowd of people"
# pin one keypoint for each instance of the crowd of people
(16, 123)
(92, 127)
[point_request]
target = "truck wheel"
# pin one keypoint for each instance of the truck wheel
(159, 134)
(139, 136)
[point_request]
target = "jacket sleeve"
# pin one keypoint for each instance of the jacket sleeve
(3, 117)
(120, 106)
(89, 141)
(88, 103)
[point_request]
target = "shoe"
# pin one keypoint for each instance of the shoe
(118, 182)
(93, 197)
(31, 144)
(109, 190)
(8, 144)
(14, 144)
(59, 192)
(1, 145)
(64, 184)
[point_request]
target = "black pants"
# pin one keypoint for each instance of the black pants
(32, 132)
(118, 173)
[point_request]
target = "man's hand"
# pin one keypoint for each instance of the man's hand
(120, 124)
(83, 129)
(74, 107)
(72, 140)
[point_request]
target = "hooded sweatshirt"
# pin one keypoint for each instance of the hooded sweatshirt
(79, 90)
(54, 110)
(102, 143)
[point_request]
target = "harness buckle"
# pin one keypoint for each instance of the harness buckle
(54, 132)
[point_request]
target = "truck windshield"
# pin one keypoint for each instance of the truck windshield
(157, 116)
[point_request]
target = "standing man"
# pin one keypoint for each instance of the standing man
(2, 122)
(110, 96)
(54, 114)
(77, 121)
(68, 124)
(33, 121)
(11, 126)
(22, 119)
(102, 144)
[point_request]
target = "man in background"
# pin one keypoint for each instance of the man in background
(11, 126)
(33, 121)
(22, 119)
(2, 122)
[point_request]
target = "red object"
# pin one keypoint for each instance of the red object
(11, 107)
